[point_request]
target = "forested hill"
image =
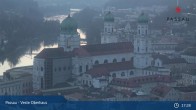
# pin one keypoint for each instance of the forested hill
(23, 8)
(22, 24)
(136, 3)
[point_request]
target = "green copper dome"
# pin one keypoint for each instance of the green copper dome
(69, 25)
(143, 18)
(109, 17)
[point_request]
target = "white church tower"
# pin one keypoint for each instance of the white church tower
(109, 34)
(142, 44)
(69, 37)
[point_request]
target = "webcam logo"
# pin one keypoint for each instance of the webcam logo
(178, 9)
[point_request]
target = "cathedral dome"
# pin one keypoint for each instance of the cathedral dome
(109, 17)
(69, 25)
(143, 18)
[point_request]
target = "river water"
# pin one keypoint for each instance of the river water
(27, 59)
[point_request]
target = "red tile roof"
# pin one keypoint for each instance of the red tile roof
(187, 89)
(53, 53)
(137, 81)
(190, 51)
(124, 83)
(170, 40)
(105, 69)
(87, 50)
(104, 49)
(161, 90)
(166, 60)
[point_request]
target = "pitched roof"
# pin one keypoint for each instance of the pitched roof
(166, 60)
(177, 60)
(124, 83)
(137, 81)
(190, 51)
(161, 90)
(87, 50)
(104, 49)
(53, 53)
(191, 72)
(168, 40)
(105, 69)
(162, 57)
(191, 88)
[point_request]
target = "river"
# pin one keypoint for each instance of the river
(27, 59)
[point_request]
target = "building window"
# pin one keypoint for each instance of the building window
(138, 49)
(123, 74)
(80, 69)
(114, 75)
(42, 83)
(86, 67)
(131, 73)
(123, 59)
(114, 61)
(69, 68)
(105, 61)
(64, 68)
(96, 62)
(146, 49)
(42, 68)
(59, 68)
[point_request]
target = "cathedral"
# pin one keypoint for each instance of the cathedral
(102, 64)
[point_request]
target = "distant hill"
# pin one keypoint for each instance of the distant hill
(22, 24)
(136, 3)
(49, 7)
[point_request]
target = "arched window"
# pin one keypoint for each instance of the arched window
(114, 60)
(105, 61)
(64, 68)
(114, 75)
(42, 68)
(131, 73)
(105, 29)
(123, 74)
(86, 67)
(96, 62)
(123, 59)
(42, 83)
(80, 69)
(132, 58)
(69, 67)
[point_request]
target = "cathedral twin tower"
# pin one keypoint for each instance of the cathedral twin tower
(70, 39)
